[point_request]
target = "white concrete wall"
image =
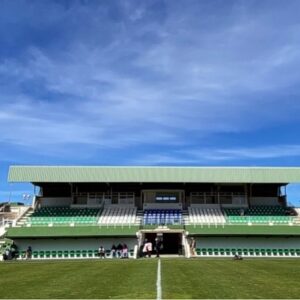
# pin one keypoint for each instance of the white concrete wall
(74, 244)
(251, 242)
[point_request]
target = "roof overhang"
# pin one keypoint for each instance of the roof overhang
(60, 174)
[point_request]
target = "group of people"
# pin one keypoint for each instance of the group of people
(120, 251)
(11, 252)
(146, 248)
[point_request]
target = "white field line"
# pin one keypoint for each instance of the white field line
(158, 281)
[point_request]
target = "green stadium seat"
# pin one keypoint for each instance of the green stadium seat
(35, 254)
(216, 251)
(41, 254)
(222, 251)
(60, 254)
(78, 253)
(53, 254)
(90, 253)
(227, 251)
(274, 252)
(66, 253)
(245, 251)
(84, 253)
(96, 253)
(72, 253)
(204, 251)
(198, 251)
(257, 252)
(251, 252)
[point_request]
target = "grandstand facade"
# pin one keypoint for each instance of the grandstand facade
(225, 210)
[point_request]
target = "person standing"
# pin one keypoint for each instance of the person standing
(158, 245)
(148, 249)
(193, 246)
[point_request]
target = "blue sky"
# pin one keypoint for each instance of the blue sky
(149, 83)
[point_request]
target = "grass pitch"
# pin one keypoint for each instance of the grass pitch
(136, 279)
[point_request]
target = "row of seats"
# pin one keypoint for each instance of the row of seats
(118, 215)
(162, 216)
(260, 219)
(206, 215)
(43, 254)
(63, 215)
(258, 214)
(278, 252)
(65, 211)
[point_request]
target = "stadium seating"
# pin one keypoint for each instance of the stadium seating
(114, 215)
(63, 215)
(248, 252)
(65, 254)
(162, 216)
(258, 214)
(206, 216)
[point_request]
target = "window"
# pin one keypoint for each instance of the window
(166, 197)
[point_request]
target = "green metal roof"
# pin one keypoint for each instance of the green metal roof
(153, 174)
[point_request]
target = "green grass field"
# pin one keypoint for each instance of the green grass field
(136, 279)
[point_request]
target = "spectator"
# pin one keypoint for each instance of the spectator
(144, 249)
(125, 251)
(29, 252)
(101, 252)
(14, 250)
(119, 250)
(7, 254)
(158, 244)
(193, 246)
(113, 251)
(147, 248)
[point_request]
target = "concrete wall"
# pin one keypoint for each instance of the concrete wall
(74, 244)
(56, 201)
(264, 201)
(250, 242)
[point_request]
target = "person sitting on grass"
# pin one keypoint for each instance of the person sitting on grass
(237, 257)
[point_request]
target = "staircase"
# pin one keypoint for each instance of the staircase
(185, 218)
(139, 218)
(22, 221)
(297, 218)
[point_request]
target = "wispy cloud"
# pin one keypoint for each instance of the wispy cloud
(121, 75)
(208, 156)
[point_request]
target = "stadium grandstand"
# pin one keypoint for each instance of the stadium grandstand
(225, 210)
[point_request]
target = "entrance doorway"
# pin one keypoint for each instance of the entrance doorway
(171, 242)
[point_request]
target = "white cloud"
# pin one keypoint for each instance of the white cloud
(204, 156)
(152, 80)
